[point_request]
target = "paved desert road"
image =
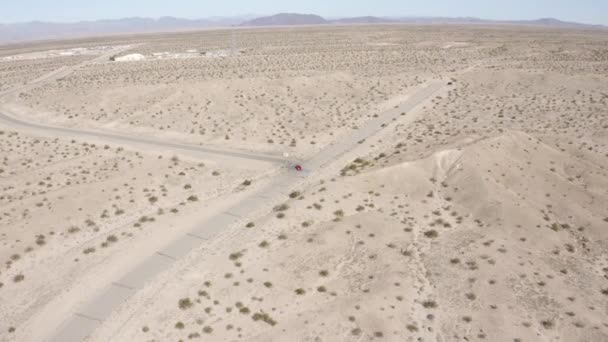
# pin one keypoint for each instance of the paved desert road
(134, 141)
(85, 318)
(215, 154)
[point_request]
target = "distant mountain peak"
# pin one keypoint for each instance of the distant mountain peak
(550, 20)
(364, 20)
(284, 19)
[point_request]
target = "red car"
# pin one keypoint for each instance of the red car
(299, 167)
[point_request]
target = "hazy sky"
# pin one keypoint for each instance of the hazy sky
(586, 11)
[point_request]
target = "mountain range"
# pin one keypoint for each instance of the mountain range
(287, 19)
(32, 31)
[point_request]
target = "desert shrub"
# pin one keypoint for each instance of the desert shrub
(431, 234)
(429, 304)
(235, 256)
(184, 303)
(264, 317)
(281, 207)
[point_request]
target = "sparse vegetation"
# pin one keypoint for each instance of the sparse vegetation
(264, 317)
(429, 304)
(432, 234)
(463, 197)
(185, 303)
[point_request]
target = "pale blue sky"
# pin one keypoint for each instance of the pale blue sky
(586, 11)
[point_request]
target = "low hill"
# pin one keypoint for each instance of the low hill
(364, 20)
(285, 19)
(552, 22)
(543, 22)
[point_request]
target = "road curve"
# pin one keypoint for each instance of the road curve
(118, 138)
(110, 137)
(94, 311)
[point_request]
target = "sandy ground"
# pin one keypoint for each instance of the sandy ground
(20, 72)
(480, 216)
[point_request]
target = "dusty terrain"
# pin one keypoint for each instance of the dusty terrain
(479, 215)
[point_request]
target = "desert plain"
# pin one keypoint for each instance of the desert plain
(455, 185)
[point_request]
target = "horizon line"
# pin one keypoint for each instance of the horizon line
(255, 16)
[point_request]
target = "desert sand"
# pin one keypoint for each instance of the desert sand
(477, 213)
